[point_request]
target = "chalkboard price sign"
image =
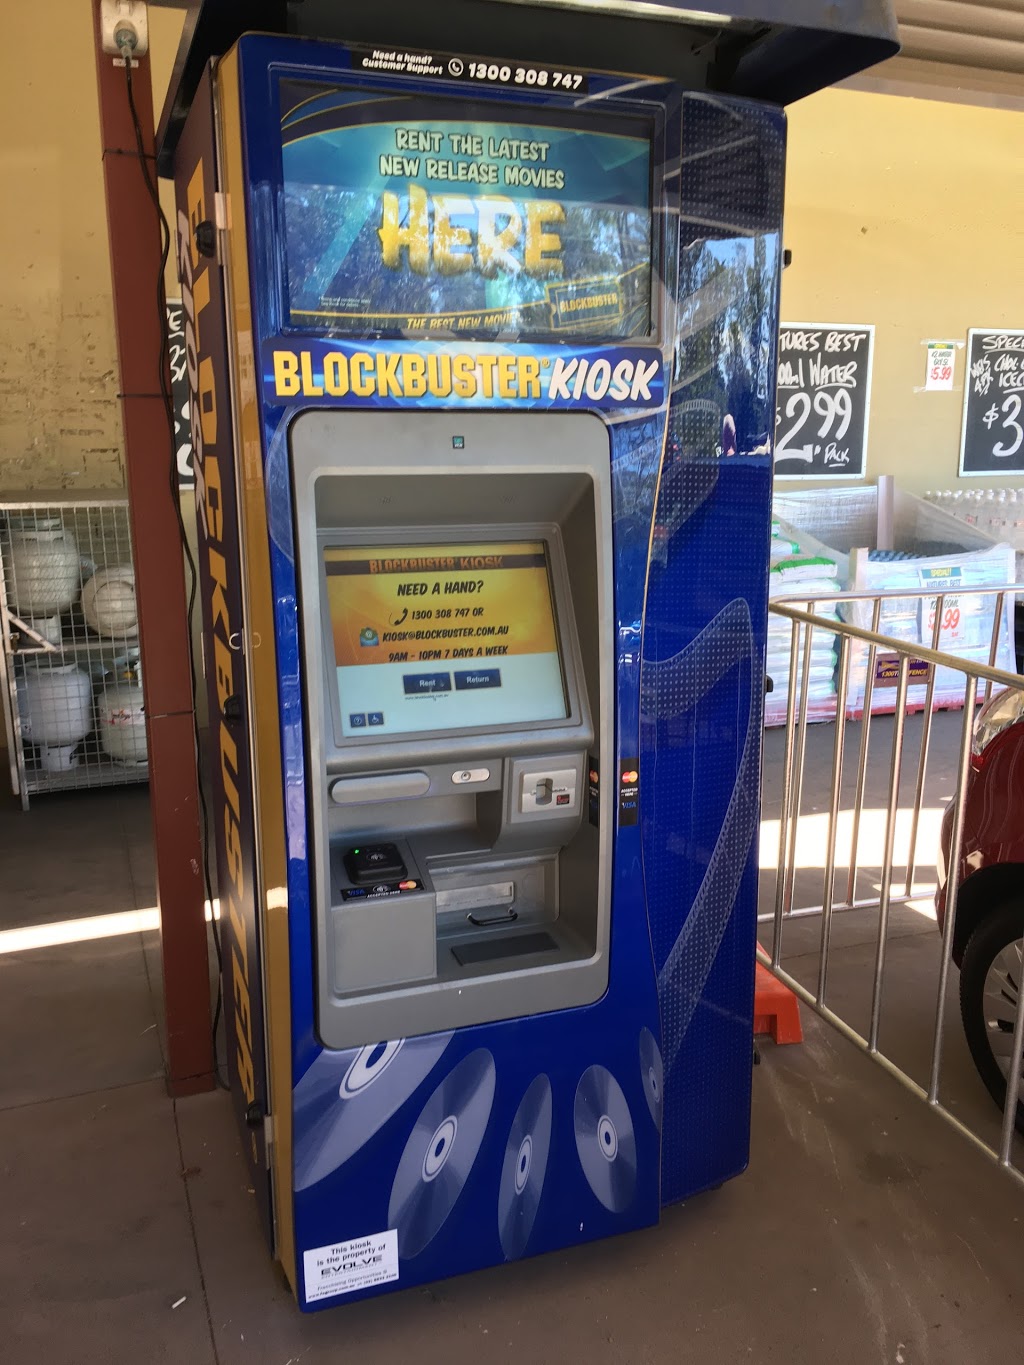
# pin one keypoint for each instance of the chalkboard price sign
(821, 417)
(992, 437)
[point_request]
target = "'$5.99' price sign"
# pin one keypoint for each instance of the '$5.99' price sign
(940, 365)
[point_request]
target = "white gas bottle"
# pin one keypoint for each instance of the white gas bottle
(44, 569)
(108, 602)
(122, 718)
(56, 712)
(47, 628)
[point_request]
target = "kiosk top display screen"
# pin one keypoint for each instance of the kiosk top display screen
(405, 214)
(443, 637)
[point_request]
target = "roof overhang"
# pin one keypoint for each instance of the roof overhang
(775, 50)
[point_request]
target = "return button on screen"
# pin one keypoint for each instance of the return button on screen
(477, 677)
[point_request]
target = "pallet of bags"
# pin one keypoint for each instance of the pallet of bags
(798, 569)
(998, 512)
(931, 550)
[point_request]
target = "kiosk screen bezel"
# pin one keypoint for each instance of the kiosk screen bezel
(453, 537)
(638, 123)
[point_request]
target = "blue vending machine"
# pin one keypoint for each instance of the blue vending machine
(482, 356)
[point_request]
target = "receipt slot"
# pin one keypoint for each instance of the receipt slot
(484, 610)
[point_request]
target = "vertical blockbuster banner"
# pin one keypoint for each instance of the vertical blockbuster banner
(204, 305)
(400, 235)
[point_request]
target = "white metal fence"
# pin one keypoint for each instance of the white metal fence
(906, 661)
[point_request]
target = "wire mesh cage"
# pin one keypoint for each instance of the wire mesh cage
(69, 620)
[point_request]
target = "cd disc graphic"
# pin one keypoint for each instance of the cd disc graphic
(522, 1171)
(345, 1097)
(652, 1074)
(604, 1138)
(440, 1152)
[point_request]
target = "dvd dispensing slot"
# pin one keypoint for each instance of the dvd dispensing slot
(483, 906)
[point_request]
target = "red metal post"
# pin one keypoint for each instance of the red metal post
(159, 575)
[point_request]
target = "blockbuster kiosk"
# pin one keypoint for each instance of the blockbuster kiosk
(482, 353)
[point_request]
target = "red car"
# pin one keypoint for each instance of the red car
(990, 902)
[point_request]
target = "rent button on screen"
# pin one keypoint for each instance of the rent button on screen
(477, 677)
(419, 684)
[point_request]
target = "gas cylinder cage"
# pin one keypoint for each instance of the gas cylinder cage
(71, 685)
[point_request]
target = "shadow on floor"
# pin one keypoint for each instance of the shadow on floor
(865, 1229)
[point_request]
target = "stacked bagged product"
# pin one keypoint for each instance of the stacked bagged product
(801, 571)
(999, 512)
(931, 550)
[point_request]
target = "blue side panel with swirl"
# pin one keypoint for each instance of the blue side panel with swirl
(702, 675)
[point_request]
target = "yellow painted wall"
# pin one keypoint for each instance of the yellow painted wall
(60, 422)
(908, 214)
(60, 426)
(905, 213)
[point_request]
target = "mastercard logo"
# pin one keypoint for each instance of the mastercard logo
(593, 776)
(630, 776)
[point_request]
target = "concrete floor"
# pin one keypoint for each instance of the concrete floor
(865, 1229)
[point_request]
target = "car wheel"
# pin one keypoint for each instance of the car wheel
(990, 981)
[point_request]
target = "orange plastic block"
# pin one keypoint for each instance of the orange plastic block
(776, 1009)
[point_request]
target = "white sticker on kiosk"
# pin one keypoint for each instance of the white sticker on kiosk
(347, 1266)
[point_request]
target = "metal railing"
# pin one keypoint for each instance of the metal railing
(1002, 630)
(909, 660)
